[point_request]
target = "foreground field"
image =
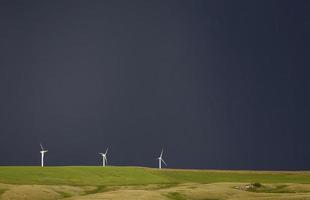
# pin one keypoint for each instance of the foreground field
(134, 183)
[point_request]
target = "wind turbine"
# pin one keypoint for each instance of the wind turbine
(42, 154)
(160, 159)
(104, 158)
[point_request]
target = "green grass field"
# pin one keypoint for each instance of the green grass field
(146, 183)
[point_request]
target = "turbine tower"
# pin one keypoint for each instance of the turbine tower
(42, 154)
(160, 159)
(104, 158)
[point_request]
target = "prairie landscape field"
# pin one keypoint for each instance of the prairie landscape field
(87, 183)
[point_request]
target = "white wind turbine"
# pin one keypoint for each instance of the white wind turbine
(42, 154)
(104, 158)
(160, 159)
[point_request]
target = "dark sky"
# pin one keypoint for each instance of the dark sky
(217, 84)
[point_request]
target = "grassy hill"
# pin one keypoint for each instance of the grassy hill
(84, 182)
(138, 175)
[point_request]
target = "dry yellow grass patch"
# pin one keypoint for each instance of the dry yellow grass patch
(189, 191)
(214, 191)
(38, 192)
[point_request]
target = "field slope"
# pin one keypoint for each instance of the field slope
(147, 183)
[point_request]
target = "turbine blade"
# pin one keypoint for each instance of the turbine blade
(106, 160)
(106, 151)
(162, 151)
(41, 147)
(164, 162)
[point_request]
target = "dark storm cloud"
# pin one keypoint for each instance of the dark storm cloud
(218, 84)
